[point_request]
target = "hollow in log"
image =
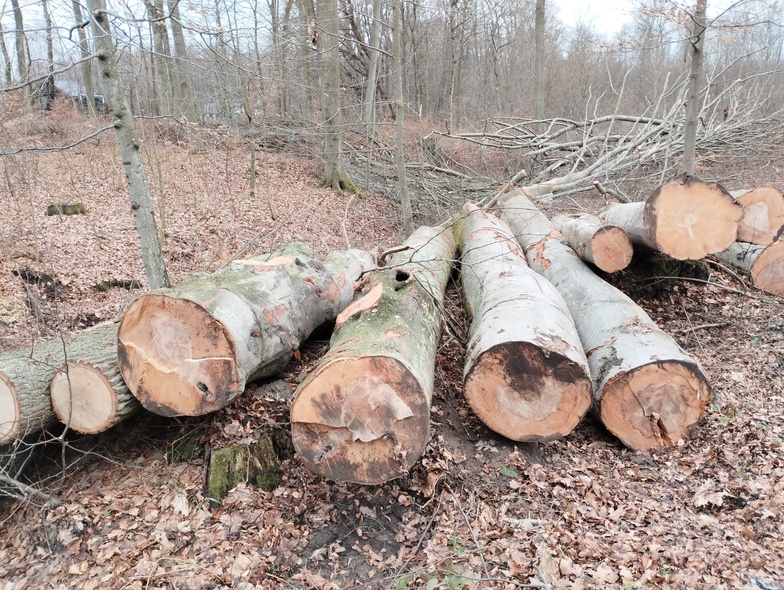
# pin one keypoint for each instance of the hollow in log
(607, 247)
(363, 414)
(191, 350)
(648, 391)
(684, 218)
(526, 375)
(25, 375)
(763, 215)
(765, 264)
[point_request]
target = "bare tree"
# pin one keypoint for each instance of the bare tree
(693, 105)
(369, 104)
(84, 50)
(9, 75)
(400, 110)
(182, 68)
(21, 43)
(539, 62)
(128, 143)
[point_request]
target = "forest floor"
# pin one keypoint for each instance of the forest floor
(477, 511)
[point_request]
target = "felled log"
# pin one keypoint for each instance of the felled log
(363, 415)
(608, 247)
(526, 375)
(765, 264)
(190, 350)
(91, 397)
(25, 375)
(684, 218)
(763, 215)
(648, 391)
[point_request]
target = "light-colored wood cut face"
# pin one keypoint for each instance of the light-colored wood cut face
(524, 395)
(9, 410)
(655, 405)
(694, 219)
(175, 357)
(763, 215)
(83, 398)
(612, 249)
(768, 269)
(362, 419)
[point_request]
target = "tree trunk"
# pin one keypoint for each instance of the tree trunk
(8, 68)
(693, 101)
(187, 105)
(48, 88)
(539, 59)
(608, 247)
(400, 115)
(86, 65)
(25, 375)
(363, 414)
(526, 375)
(765, 264)
(369, 103)
(91, 397)
(128, 144)
(161, 57)
(191, 350)
(21, 54)
(684, 218)
(648, 391)
(763, 215)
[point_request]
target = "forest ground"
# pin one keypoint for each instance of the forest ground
(477, 511)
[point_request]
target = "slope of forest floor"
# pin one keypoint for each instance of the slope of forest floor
(477, 511)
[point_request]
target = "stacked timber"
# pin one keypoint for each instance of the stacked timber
(763, 215)
(363, 415)
(648, 391)
(608, 247)
(526, 375)
(26, 374)
(764, 264)
(190, 350)
(686, 219)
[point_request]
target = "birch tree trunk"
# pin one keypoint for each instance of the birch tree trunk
(128, 143)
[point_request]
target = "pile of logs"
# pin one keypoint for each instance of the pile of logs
(548, 340)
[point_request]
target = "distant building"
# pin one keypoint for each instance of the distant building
(75, 91)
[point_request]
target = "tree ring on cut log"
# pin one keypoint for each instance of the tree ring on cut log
(612, 248)
(527, 393)
(768, 269)
(692, 218)
(654, 405)
(176, 357)
(360, 419)
(83, 398)
(9, 406)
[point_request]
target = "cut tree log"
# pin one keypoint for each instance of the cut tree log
(608, 247)
(363, 415)
(648, 391)
(25, 375)
(91, 397)
(763, 215)
(191, 350)
(765, 264)
(685, 218)
(526, 375)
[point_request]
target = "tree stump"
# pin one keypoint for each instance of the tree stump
(526, 375)
(363, 415)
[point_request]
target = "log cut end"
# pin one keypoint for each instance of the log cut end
(611, 248)
(767, 272)
(364, 420)
(84, 398)
(654, 405)
(528, 394)
(763, 216)
(177, 359)
(9, 411)
(692, 218)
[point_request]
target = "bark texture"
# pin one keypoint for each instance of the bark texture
(648, 391)
(608, 247)
(684, 218)
(363, 414)
(191, 350)
(765, 264)
(526, 375)
(763, 215)
(25, 375)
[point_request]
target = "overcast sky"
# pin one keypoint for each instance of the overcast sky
(606, 16)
